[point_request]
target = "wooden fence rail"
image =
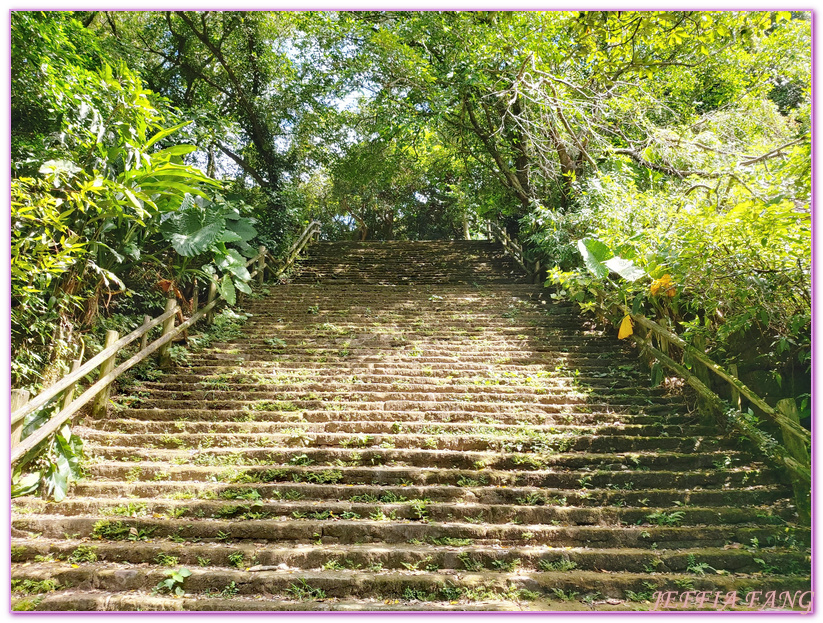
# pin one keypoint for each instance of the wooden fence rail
(510, 245)
(105, 360)
(793, 454)
(311, 230)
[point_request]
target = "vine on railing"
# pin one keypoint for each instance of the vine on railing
(794, 451)
(25, 449)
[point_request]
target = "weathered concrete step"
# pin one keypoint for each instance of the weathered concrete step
(568, 416)
(413, 368)
(379, 270)
(182, 452)
(424, 586)
(390, 337)
(417, 349)
(388, 426)
(402, 556)
(409, 510)
(379, 264)
(390, 475)
(430, 393)
(584, 361)
(458, 442)
(422, 402)
(359, 334)
(758, 497)
(496, 323)
(455, 378)
(373, 305)
(457, 327)
(330, 386)
(344, 532)
(414, 280)
(284, 366)
(377, 300)
(436, 329)
(491, 289)
(395, 271)
(91, 600)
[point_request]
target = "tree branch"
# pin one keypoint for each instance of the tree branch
(242, 163)
(773, 153)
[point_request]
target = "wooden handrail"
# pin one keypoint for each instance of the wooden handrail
(301, 242)
(778, 418)
(66, 382)
(512, 247)
(65, 413)
(799, 470)
(796, 439)
(60, 418)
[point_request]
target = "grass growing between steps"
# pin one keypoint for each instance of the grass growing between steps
(467, 452)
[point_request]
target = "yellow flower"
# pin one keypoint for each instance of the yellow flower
(665, 284)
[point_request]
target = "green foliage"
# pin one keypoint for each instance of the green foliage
(52, 466)
(662, 518)
(562, 564)
(174, 583)
(202, 227)
(166, 560)
(236, 559)
(303, 592)
(83, 553)
(34, 586)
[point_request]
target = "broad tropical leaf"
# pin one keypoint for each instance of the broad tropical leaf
(227, 290)
(193, 231)
(243, 228)
(594, 253)
(625, 268)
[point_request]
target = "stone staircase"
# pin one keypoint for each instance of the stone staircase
(406, 426)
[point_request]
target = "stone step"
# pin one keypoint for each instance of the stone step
(544, 405)
(478, 443)
(205, 450)
(761, 496)
(389, 426)
(391, 475)
(91, 600)
(545, 416)
(281, 591)
(386, 393)
(406, 426)
(457, 378)
(345, 532)
(414, 509)
(401, 556)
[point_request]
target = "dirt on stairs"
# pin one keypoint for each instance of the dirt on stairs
(409, 426)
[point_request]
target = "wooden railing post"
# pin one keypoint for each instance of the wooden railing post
(795, 446)
(68, 394)
(163, 354)
(98, 409)
(195, 301)
(702, 373)
(144, 341)
(798, 451)
(261, 264)
(735, 393)
(212, 296)
(19, 398)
